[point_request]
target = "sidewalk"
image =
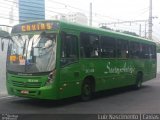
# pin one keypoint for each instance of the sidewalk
(3, 94)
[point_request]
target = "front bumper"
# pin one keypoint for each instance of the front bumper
(47, 92)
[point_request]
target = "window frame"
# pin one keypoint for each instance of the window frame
(94, 52)
(114, 49)
(71, 60)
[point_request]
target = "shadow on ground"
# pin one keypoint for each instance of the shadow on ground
(73, 100)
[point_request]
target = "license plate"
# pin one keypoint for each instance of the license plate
(24, 92)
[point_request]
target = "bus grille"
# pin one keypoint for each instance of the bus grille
(27, 84)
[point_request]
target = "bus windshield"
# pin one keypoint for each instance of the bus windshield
(32, 53)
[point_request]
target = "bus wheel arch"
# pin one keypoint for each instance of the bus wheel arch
(87, 88)
(139, 80)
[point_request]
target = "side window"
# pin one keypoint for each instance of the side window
(145, 51)
(108, 47)
(135, 51)
(153, 52)
(69, 49)
(89, 45)
(122, 49)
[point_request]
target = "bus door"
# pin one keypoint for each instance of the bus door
(69, 64)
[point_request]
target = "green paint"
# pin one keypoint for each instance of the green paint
(70, 73)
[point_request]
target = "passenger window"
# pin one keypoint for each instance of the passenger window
(145, 51)
(108, 47)
(135, 51)
(89, 46)
(122, 49)
(149, 51)
(69, 49)
(153, 52)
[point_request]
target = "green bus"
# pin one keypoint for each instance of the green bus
(55, 59)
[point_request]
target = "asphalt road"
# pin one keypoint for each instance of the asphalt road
(126, 100)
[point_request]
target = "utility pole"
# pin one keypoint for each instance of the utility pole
(139, 29)
(150, 21)
(145, 34)
(90, 15)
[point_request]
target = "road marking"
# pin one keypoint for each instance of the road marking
(6, 97)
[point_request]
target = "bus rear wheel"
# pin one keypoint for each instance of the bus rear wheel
(139, 79)
(87, 90)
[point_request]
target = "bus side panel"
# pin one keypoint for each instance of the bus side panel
(125, 72)
(69, 84)
(109, 77)
(149, 69)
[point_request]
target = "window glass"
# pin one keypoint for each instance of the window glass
(108, 47)
(135, 51)
(145, 51)
(32, 53)
(122, 49)
(69, 49)
(152, 52)
(89, 45)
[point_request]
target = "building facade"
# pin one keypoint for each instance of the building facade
(59, 17)
(77, 17)
(31, 10)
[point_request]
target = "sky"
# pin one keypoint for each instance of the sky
(104, 11)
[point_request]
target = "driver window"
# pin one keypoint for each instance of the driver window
(69, 49)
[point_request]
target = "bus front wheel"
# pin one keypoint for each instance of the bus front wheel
(87, 90)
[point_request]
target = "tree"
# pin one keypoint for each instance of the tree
(130, 33)
(126, 32)
(107, 28)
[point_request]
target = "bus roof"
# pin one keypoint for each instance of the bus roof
(56, 25)
(104, 32)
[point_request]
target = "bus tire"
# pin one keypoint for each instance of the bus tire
(87, 90)
(139, 79)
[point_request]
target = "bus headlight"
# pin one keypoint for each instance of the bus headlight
(51, 78)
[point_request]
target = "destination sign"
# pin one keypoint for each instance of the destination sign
(36, 26)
